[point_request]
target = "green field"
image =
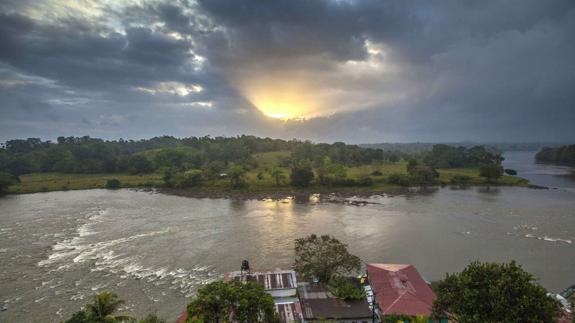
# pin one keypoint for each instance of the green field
(267, 162)
(44, 182)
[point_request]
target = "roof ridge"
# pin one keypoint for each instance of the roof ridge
(396, 300)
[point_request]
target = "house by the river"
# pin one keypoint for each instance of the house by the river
(390, 289)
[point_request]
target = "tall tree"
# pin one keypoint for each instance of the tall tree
(491, 172)
(323, 257)
(493, 292)
(278, 176)
(236, 173)
(301, 174)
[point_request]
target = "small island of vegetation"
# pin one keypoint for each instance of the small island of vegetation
(564, 155)
(244, 164)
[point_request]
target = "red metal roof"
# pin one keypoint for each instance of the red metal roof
(400, 289)
(183, 317)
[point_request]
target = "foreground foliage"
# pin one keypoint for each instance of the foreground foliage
(323, 258)
(101, 310)
(232, 302)
(344, 288)
(401, 318)
(493, 292)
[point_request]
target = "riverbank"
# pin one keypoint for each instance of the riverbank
(255, 189)
(59, 247)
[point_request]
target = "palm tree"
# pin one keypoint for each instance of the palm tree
(103, 308)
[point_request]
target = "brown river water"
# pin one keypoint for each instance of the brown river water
(58, 249)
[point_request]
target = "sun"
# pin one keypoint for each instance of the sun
(278, 110)
(280, 97)
(281, 104)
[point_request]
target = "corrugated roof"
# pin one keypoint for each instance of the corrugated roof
(284, 279)
(400, 289)
(335, 309)
(318, 303)
(289, 312)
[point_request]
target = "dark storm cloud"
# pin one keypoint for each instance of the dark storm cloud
(386, 70)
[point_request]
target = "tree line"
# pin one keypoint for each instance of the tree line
(564, 155)
(92, 155)
(188, 162)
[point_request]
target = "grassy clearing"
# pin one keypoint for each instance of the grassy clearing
(44, 182)
(267, 162)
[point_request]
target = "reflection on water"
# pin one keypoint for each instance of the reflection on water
(57, 249)
(489, 190)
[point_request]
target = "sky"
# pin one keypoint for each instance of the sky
(326, 70)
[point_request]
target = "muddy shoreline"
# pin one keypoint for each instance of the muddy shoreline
(320, 195)
(282, 195)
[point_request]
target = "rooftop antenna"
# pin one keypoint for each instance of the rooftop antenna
(245, 269)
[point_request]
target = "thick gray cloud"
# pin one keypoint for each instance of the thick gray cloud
(359, 71)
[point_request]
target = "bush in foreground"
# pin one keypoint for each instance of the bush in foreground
(103, 310)
(232, 302)
(493, 292)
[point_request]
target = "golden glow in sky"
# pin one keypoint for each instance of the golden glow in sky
(281, 105)
(282, 98)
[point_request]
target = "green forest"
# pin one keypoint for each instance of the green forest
(564, 155)
(242, 162)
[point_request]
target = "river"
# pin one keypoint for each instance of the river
(57, 249)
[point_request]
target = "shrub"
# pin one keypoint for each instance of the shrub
(301, 176)
(6, 180)
(460, 179)
(189, 178)
(514, 295)
(395, 318)
(399, 179)
(511, 172)
(365, 181)
(491, 172)
(232, 302)
(113, 184)
(423, 174)
(344, 288)
(376, 173)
